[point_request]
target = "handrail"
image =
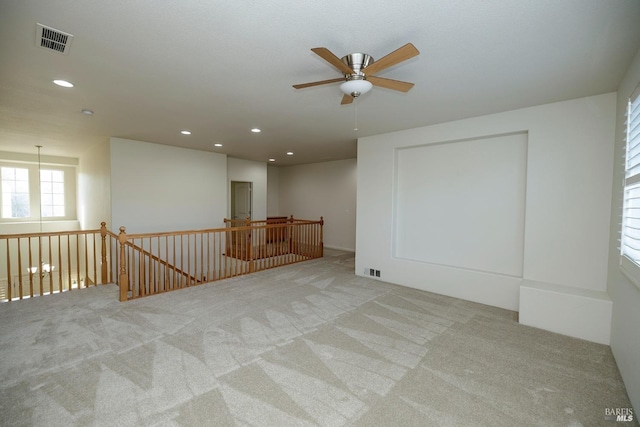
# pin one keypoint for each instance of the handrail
(52, 233)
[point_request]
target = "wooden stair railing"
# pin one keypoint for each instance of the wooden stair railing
(202, 256)
(37, 264)
(155, 258)
(145, 264)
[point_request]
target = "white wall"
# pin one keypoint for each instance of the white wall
(273, 191)
(625, 333)
(94, 188)
(568, 193)
(326, 189)
(161, 188)
(249, 171)
(470, 192)
(34, 227)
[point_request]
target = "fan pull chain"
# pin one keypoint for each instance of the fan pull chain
(355, 114)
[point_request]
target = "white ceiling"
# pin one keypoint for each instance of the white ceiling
(218, 68)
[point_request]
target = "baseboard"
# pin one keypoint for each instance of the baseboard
(579, 313)
(340, 249)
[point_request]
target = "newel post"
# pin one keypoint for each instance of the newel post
(103, 259)
(290, 234)
(321, 239)
(123, 280)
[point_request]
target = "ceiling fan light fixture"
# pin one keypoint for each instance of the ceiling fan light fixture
(356, 87)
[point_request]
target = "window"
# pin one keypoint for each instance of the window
(15, 193)
(52, 193)
(630, 241)
(29, 194)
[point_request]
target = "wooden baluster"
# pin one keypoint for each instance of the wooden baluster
(142, 286)
(316, 250)
(188, 270)
(202, 273)
(174, 283)
(304, 239)
(236, 252)
(167, 275)
(78, 260)
(181, 253)
(147, 272)
(30, 271)
(69, 261)
(86, 260)
(123, 281)
(290, 240)
(95, 260)
(40, 264)
(151, 280)
(217, 267)
(208, 278)
(103, 253)
(252, 266)
(60, 263)
(8, 272)
(50, 267)
(20, 288)
(193, 274)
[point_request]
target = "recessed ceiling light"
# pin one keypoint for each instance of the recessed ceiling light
(272, 160)
(63, 83)
(217, 145)
(256, 130)
(87, 112)
(185, 132)
(289, 153)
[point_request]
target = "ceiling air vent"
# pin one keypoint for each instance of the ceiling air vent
(50, 38)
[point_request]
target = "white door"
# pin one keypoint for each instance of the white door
(242, 199)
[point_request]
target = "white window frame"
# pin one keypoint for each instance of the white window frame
(57, 198)
(17, 188)
(630, 259)
(34, 192)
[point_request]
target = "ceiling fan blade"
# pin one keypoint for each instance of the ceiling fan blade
(390, 83)
(326, 54)
(318, 83)
(402, 54)
(347, 99)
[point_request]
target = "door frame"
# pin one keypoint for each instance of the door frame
(232, 204)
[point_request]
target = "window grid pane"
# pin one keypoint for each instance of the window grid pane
(15, 193)
(52, 193)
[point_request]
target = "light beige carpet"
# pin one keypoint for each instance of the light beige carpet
(303, 345)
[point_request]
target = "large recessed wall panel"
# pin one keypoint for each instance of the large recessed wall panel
(462, 203)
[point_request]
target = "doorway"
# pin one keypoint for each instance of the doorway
(241, 200)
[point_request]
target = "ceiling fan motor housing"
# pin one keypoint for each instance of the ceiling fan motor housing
(357, 62)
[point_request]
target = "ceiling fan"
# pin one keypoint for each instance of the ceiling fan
(359, 70)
